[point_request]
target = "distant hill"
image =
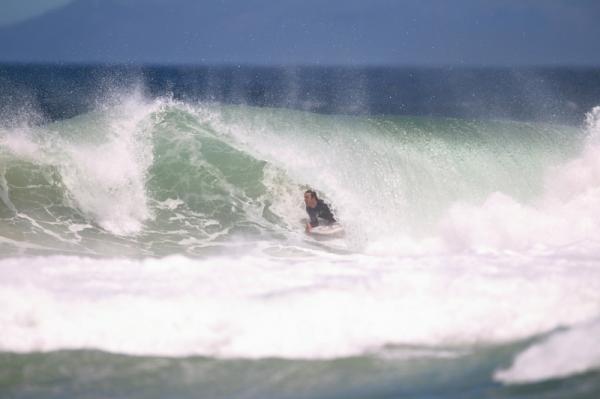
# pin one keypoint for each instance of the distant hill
(182, 31)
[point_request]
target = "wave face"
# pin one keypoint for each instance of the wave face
(170, 228)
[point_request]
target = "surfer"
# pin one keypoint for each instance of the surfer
(316, 208)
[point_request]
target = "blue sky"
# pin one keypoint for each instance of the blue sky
(300, 32)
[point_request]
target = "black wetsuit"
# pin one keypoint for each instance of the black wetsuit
(320, 211)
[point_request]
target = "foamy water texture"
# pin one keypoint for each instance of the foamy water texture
(154, 227)
(563, 215)
(253, 306)
(563, 354)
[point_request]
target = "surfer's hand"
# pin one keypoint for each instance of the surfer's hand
(308, 227)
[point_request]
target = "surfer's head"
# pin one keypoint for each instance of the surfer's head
(310, 198)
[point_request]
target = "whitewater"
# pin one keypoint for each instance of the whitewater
(164, 228)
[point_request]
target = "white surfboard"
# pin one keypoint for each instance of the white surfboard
(334, 229)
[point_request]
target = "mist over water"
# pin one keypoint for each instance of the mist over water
(561, 95)
(163, 226)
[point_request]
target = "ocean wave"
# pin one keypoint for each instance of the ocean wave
(401, 185)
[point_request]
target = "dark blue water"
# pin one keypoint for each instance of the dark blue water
(561, 95)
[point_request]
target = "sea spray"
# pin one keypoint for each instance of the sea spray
(563, 215)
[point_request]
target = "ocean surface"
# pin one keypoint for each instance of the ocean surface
(152, 241)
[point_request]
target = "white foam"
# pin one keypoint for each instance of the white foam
(564, 215)
(76, 228)
(107, 180)
(102, 157)
(305, 306)
(19, 142)
(563, 354)
(169, 203)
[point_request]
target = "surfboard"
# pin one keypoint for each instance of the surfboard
(334, 229)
